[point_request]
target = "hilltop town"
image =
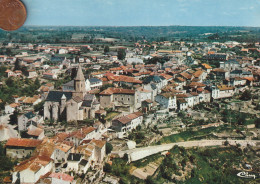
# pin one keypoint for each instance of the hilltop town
(121, 111)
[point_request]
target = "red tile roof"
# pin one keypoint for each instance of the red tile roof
(186, 75)
(82, 133)
(35, 132)
(20, 142)
(33, 163)
(110, 91)
(62, 176)
(196, 84)
(128, 118)
(198, 73)
(206, 66)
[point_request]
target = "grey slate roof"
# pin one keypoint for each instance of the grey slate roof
(57, 58)
(234, 61)
(29, 115)
(55, 96)
(93, 80)
(152, 78)
(89, 97)
(70, 83)
(79, 75)
(74, 157)
(153, 86)
(83, 162)
(87, 103)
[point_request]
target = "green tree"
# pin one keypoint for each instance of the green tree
(102, 88)
(5, 163)
(8, 52)
(14, 118)
(150, 180)
(84, 49)
(17, 65)
(257, 123)
(37, 83)
(246, 95)
(107, 168)
(121, 54)
(39, 107)
(241, 118)
(109, 148)
(10, 82)
(106, 49)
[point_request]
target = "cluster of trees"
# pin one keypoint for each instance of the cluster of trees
(137, 135)
(121, 54)
(6, 164)
(13, 86)
(156, 60)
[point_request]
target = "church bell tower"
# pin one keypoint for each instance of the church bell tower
(79, 84)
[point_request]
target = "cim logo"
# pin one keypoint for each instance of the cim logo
(244, 174)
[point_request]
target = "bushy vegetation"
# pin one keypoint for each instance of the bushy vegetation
(204, 165)
(6, 164)
(187, 135)
(20, 87)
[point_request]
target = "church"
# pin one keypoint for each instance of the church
(72, 105)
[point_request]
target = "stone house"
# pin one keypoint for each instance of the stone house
(61, 152)
(125, 124)
(222, 91)
(240, 73)
(158, 81)
(181, 82)
(196, 99)
(10, 108)
(219, 73)
(73, 161)
(7, 132)
(86, 133)
(90, 105)
(187, 97)
(206, 67)
(182, 104)
(31, 170)
(32, 73)
(204, 95)
(24, 120)
(237, 81)
(35, 132)
(48, 75)
(20, 148)
(200, 75)
(167, 100)
(231, 64)
(118, 99)
(142, 95)
(93, 83)
(94, 152)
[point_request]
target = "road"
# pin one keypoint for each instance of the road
(139, 153)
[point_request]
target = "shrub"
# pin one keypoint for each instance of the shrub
(107, 168)
(109, 148)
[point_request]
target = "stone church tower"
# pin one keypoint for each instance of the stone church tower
(79, 84)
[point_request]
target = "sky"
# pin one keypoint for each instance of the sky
(143, 12)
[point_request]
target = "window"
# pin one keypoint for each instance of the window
(128, 99)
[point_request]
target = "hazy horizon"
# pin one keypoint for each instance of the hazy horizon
(124, 13)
